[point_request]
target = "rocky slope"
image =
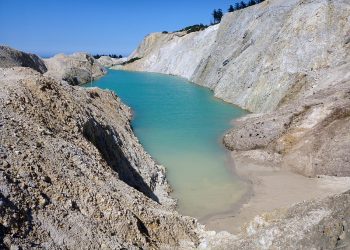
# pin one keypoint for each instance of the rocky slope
(74, 175)
(75, 69)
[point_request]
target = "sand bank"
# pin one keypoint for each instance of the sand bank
(271, 188)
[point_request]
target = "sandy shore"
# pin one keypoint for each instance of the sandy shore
(271, 188)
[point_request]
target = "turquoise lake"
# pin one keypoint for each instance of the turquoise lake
(181, 125)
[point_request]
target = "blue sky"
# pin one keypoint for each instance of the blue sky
(47, 27)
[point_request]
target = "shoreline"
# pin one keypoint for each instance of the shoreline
(270, 188)
(247, 111)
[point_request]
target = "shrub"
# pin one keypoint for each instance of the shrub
(131, 60)
(97, 56)
(194, 28)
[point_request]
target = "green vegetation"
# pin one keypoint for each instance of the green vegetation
(194, 28)
(217, 15)
(231, 9)
(97, 56)
(242, 5)
(131, 60)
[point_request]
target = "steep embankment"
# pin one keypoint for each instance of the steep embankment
(287, 61)
(309, 136)
(73, 175)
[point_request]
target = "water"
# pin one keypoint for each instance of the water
(181, 124)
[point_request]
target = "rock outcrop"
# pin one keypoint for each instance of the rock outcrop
(310, 135)
(108, 62)
(78, 68)
(10, 57)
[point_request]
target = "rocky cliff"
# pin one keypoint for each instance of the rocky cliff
(257, 55)
(174, 53)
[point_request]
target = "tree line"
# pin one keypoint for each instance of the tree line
(194, 28)
(97, 56)
(217, 14)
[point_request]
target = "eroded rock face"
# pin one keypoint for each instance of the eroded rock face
(173, 53)
(311, 134)
(73, 175)
(11, 58)
(256, 56)
(78, 68)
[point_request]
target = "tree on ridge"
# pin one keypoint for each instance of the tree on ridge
(231, 9)
(217, 15)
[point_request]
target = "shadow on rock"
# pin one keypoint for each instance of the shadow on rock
(106, 140)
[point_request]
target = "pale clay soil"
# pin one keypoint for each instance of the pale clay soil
(272, 188)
